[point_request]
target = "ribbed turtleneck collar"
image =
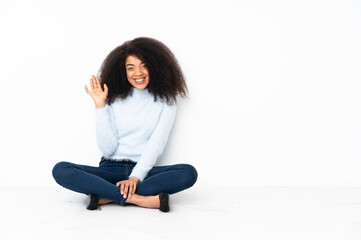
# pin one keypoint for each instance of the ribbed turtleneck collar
(140, 93)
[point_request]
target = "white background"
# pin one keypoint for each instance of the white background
(274, 87)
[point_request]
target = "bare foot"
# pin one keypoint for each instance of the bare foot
(145, 201)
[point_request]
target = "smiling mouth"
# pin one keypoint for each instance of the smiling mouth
(139, 80)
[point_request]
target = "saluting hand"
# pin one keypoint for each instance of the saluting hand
(98, 95)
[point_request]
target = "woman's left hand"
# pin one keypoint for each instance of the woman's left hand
(128, 186)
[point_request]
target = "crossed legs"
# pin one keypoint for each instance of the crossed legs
(101, 181)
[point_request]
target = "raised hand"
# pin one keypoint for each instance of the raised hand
(98, 95)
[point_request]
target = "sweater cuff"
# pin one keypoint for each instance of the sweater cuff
(138, 175)
(101, 111)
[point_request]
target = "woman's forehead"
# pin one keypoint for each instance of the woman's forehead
(133, 59)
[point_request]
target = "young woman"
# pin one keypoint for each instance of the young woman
(135, 102)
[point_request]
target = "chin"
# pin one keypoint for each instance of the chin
(142, 87)
(139, 88)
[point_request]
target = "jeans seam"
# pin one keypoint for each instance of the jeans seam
(161, 173)
(178, 167)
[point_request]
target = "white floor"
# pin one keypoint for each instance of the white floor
(199, 213)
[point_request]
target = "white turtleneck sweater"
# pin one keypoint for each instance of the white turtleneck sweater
(135, 128)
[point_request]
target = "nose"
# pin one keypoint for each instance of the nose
(138, 72)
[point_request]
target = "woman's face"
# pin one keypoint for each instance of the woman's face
(137, 72)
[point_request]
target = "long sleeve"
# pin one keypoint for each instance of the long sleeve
(156, 143)
(106, 133)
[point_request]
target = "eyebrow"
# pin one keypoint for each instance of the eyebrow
(133, 64)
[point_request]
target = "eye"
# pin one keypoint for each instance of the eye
(130, 69)
(144, 66)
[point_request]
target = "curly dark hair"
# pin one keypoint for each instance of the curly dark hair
(166, 79)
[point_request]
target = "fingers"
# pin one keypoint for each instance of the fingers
(94, 82)
(91, 81)
(122, 188)
(127, 187)
(86, 89)
(105, 89)
(97, 82)
(130, 190)
(134, 188)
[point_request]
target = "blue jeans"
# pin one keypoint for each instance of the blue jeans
(101, 180)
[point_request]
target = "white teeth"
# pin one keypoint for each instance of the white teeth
(139, 80)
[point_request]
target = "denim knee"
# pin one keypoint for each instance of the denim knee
(59, 171)
(190, 175)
